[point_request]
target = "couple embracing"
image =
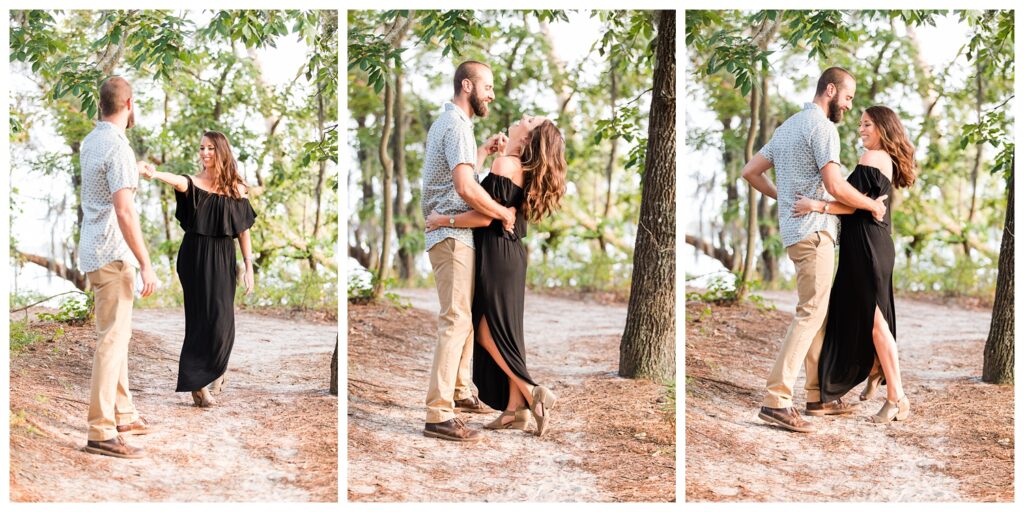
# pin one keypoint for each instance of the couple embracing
(213, 210)
(844, 332)
(474, 239)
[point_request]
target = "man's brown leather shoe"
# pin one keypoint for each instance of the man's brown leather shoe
(471, 404)
(115, 447)
(837, 406)
(451, 430)
(138, 427)
(787, 418)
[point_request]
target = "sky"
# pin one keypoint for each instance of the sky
(34, 231)
(939, 45)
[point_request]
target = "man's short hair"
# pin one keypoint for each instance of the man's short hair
(833, 75)
(469, 69)
(114, 92)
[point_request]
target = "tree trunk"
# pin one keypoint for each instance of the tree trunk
(750, 254)
(766, 210)
(74, 275)
(609, 169)
(384, 262)
(998, 366)
(402, 222)
(322, 173)
(649, 340)
(334, 370)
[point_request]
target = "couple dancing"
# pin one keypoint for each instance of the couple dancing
(474, 241)
(213, 210)
(844, 331)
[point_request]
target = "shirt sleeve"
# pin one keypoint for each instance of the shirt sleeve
(459, 147)
(122, 172)
(766, 150)
(825, 145)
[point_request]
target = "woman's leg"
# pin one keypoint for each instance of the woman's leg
(888, 357)
(517, 386)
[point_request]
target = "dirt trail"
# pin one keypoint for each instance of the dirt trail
(271, 437)
(572, 348)
(732, 455)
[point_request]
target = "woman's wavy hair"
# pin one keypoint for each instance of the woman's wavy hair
(543, 160)
(894, 140)
(224, 174)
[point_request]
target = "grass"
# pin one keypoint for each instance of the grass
(24, 335)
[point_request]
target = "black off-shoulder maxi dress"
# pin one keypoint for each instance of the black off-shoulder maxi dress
(498, 295)
(207, 269)
(863, 281)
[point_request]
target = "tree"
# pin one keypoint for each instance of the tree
(648, 342)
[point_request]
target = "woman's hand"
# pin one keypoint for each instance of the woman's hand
(250, 283)
(436, 220)
(805, 205)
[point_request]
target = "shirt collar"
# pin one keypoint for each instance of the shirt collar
(107, 125)
(462, 113)
(811, 105)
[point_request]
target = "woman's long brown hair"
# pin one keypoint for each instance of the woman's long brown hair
(224, 174)
(543, 160)
(893, 140)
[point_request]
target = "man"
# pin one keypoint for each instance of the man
(111, 249)
(450, 187)
(805, 154)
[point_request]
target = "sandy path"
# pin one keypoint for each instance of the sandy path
(231, 452)
(565, 340)
(849, 458)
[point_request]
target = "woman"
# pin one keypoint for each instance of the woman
(861, 315)
(530, 177)
(213, 209)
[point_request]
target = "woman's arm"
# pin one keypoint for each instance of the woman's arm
(245, 243)
(470, 219)
(148, 171)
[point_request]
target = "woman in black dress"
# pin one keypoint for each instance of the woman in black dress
(213, 209)
(861, 326)
(530, 177)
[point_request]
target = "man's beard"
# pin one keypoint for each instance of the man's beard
(131, 119)
(479, 107)
(835, 114)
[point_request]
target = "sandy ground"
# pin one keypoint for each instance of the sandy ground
(956, 446)
(610, 439)
(271, 437)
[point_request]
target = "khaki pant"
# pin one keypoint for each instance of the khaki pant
(814, 258)
(110, 402)
(451, 374)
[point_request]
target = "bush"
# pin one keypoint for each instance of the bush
(77, 310)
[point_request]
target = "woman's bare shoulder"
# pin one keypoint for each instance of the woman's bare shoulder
(878, 159)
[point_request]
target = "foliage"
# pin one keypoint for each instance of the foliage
(191, 71)
(25, 333)
(946, 227)
(75, 310)
(589, 242)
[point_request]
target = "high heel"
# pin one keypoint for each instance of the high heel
(873, 383)
(893, 411)
(520, 418)
(543, 401)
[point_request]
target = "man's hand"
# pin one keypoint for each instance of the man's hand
(879, 211)
(149, 282)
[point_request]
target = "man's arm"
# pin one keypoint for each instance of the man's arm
(754, 173)
(847, 194)
(477, 198)
(128, 221)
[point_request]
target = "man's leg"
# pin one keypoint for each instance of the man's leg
(113, 288)
(124, 407)
(825, 264)
(464, 376)
(814, 259)
(453, 264)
